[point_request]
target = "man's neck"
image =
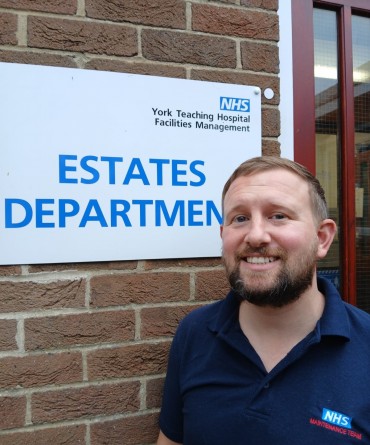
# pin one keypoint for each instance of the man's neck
(273, 332)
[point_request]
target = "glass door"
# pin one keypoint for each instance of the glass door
(342, 140)
(327, 127)
(331, 72)
(361, 94)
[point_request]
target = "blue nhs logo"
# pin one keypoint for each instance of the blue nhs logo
(336, 418)
(235, 104)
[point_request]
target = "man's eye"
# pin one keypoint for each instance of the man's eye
(240, 218)
(278, 216)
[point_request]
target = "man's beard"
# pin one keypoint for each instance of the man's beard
(289, 285)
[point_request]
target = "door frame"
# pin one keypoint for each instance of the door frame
(304, 117)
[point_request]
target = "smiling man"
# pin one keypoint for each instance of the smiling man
(282, 359)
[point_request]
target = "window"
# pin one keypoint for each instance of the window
(331, 61)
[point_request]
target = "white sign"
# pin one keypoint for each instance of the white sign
(99, 166)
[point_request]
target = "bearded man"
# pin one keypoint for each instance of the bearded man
(270, 363)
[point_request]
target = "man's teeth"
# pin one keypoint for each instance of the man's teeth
(259, 260)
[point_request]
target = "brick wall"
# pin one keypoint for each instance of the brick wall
(83, 347)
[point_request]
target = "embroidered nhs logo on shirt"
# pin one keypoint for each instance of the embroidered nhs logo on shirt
(336, 418)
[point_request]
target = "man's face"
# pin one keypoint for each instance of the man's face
(269, 237)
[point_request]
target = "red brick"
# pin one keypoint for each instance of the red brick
(235, 22)
(182, 262)
(40, 370)
(263, 4)
(252, 79)
(12, 412)
(154, 392)
(181, 47)
(34, 58)
(270, 147)
(109, 265)
(270, 122)
(8, 332)
(161, 13)
(9, 270)
(81, 36)
(79, 329)
(75, 403)
(113, 290)
(8, 29)
(162, 321)
(55, 6)
(211, 285)
(151, 69)
(28, 296)
(135, 430)
(71, 435)
(260, 57)
(128, 361)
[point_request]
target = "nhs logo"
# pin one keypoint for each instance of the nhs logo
(336, 418)
(235, 104)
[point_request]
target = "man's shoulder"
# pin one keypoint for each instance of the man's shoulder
(342, 318)
(358, 318)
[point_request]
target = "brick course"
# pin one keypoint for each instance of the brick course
(80, 329)
(162, 321)
(260, 57)
(81, 36)
(40, 370)
(74, 403)
(84, 346)
(161, 13)
(29, 296)
(8, 29)
(54, 6)
(8, 332)
(235, 22)
(264, 4)
(182, 47)
(134, 430)
(140, 288)
(37, 58)
(128, 361)
(72, 434)
(12, 412)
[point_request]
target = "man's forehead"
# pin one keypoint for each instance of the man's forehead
(278, 178)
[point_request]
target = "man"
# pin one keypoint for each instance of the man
(282, 359)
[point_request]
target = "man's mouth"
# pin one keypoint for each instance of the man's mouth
(259, 259)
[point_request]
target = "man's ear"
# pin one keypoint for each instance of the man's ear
(221, 230)
(325, 235)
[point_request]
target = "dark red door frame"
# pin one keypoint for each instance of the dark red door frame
(304, 117)
(303, 83)
(348, 155)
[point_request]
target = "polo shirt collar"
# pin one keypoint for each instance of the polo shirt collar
(334, 320)
(227, 315)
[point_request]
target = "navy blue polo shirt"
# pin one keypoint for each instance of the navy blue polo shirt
(217, 391)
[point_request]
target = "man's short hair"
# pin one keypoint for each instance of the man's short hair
(264, 163)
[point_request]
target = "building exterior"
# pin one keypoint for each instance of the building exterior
(83, 346)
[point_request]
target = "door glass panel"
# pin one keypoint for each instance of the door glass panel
(327, 118)
(361, 79)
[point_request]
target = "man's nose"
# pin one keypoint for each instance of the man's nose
(257, 232)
